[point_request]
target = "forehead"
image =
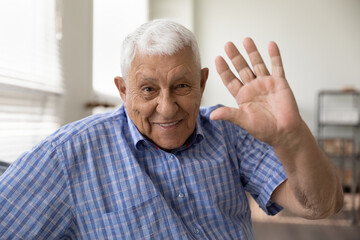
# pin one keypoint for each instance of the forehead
(181, 60)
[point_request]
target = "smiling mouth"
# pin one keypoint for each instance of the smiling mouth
(166, 125)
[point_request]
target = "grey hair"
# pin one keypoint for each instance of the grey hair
(157, 37)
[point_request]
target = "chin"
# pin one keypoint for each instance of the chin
(169, 146)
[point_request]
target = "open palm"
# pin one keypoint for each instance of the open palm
(266, 105)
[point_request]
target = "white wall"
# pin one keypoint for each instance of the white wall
(77, 58)
(181, 11)
(319, 41)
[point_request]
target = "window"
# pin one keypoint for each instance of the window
(113, 20)
(31, 74)
(31, 84)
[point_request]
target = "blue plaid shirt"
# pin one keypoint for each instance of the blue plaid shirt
(99, 178)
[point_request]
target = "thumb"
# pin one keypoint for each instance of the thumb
(233, 115)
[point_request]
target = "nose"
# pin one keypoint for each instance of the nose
(167, 106)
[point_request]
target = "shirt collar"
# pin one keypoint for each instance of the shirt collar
(135, 135)
(140, 142)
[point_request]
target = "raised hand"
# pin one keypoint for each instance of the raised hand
(266, 105)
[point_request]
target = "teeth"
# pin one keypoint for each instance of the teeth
(168, 124)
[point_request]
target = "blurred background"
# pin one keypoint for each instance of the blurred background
(58, 59)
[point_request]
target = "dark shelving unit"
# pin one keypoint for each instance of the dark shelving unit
(338, 125)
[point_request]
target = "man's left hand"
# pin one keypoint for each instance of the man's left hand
(266, 105)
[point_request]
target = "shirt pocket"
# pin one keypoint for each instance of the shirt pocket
(142, 220)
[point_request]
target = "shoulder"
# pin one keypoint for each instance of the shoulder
(220, 126)
(225, 129)
(206, 110)
(92, 125)
(79, 135)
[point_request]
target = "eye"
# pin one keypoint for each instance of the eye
(182, 89)
(182, 85)
(148, 89)
(149, 92)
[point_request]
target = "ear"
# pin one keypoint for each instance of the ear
(204, 76)
(121, 86)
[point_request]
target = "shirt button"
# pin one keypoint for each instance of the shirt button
(171, 156)
(181, 195)
(196, 231)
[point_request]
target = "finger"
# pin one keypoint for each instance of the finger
(230, 114)
(277, 68)
(239, 62)
(231, 82)
(256, 60)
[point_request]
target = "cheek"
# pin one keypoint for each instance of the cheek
(137, 104)
(140, 111)
(144, 108)
(191, 106)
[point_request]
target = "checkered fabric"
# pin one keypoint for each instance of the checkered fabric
(99, 178)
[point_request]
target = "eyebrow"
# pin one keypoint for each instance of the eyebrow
(147, 79)
(151, 79)
(179, 78)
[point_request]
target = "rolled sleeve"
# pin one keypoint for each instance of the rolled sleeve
(261, 172)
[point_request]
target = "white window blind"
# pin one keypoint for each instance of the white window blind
(31, 85)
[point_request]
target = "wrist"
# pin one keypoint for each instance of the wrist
(291, 140)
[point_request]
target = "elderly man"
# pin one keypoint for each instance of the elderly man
(161, 167)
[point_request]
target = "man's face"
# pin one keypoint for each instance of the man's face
(162, 96)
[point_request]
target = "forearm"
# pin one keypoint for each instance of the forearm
(312, 178)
